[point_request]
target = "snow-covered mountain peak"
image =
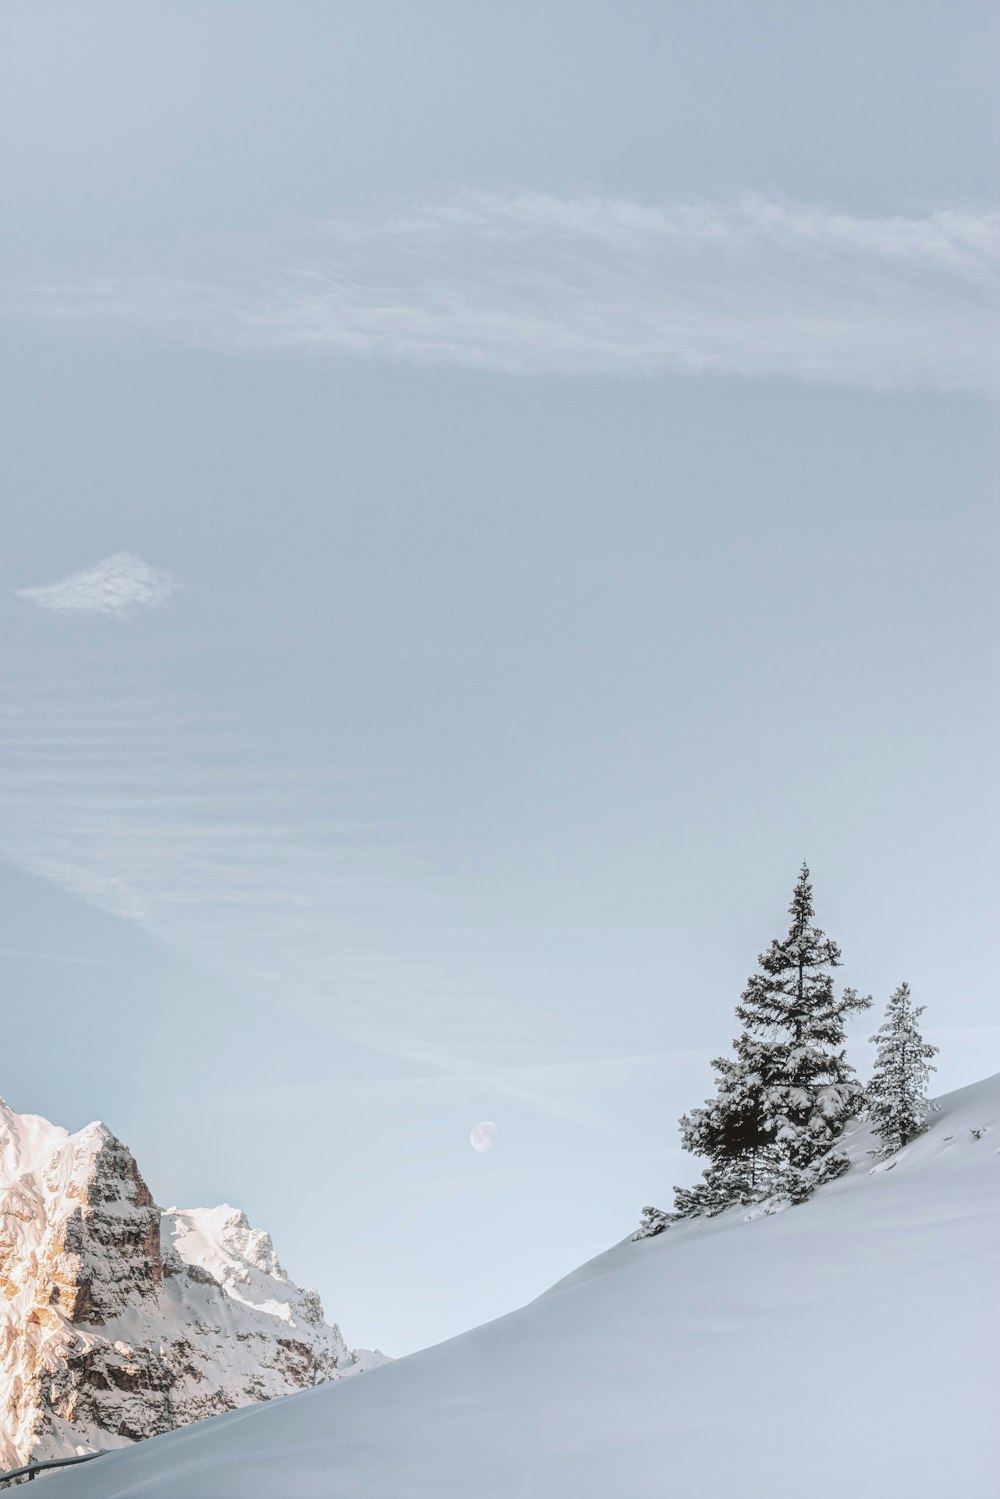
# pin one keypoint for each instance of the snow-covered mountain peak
(119, 1320)
(222, 1240)
(25, 1140)
(221, 1243)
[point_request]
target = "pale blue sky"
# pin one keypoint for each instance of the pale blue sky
(570, 429)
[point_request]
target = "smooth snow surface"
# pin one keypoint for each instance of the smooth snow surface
(845, 1349)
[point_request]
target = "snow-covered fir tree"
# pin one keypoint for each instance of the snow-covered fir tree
(783, 1099)
(897, 1093)
(652, 1222)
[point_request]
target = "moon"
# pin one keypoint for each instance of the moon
(482, 1136)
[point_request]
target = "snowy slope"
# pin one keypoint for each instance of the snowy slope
(119, 1320)
(847, 1347)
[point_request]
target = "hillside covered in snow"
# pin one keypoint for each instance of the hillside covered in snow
(844, 1347)
(119, 1320)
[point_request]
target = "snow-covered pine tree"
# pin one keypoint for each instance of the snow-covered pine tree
(782, 1101)
(897, 1093)
(809, 1089)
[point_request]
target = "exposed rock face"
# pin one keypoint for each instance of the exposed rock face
(119, 1320)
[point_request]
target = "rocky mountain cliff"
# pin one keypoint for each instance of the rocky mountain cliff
(119, 1320)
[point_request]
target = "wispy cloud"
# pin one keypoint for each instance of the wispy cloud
(58, 957)
(571, 1091)
(279, 881)
(120, 585)
(533, 283)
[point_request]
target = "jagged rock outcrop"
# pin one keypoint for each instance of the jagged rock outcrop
(119, 1320)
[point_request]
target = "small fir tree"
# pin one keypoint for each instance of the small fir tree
(783, 1099)
(897, 1093)
(652, 1222)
